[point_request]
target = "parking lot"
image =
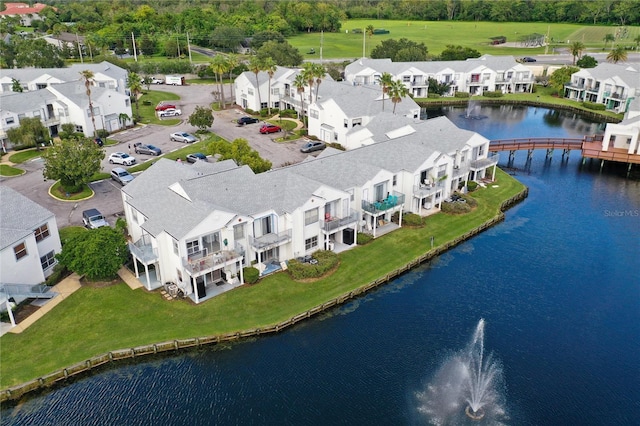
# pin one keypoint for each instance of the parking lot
(107, 196)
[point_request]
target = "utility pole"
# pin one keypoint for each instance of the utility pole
(321, 41)
(178, 43)
(189, 47)
(364, 40)
(135, 54)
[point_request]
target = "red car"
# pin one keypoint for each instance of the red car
(162, 107)
(270, 128)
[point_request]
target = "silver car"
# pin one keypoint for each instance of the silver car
(183, 137)
(121, 176)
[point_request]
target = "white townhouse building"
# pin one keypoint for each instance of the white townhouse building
(62, 103)
(475, 76)
(255, 96)
(624, 136)
(106, 75)
(198, 226)
(342, 107)
(29, 237)
(610, 84)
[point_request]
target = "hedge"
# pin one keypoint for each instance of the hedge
(326, 261)
(495, 94)
(251, 275)
(594, 106)
(462, 95)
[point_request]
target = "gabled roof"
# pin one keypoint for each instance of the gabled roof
(625, 73)
(22, 9)
(19, 216)
(71, 73)
(23, 102)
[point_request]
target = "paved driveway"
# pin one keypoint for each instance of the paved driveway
(108, 197)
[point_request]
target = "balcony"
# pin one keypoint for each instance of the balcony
(390, 203)
(202, 262)
(460, 169)
(335, 223)
(270, 240)
(144, 251)
(426, 190)
(483, 163)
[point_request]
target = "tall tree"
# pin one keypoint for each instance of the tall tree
(219, 66)
(562, 76)
(255, 66)
(135, 86)
(233, 61)
(16, 86)
(87, 76)
(30, 132)
(608, 38)
(300, 82)
(618, 54)
(73, 162)
(309, 75)
(386, 81)
(397, 91)
(202, 118)
(319, 72)
(270, 67)
(576, 49)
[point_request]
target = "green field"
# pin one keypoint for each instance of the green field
(437, 35)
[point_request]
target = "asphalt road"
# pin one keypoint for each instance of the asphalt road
(108, 198)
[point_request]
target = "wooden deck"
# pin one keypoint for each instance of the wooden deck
(594, 150)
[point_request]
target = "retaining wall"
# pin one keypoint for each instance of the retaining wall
(57, 377)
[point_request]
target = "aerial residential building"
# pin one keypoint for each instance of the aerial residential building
(25, 12)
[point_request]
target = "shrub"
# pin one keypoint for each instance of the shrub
(455, 207)
(59, 272)
(472, 185)
(594, 106)
(336, 145)
(327, 260)
(412, 219)
(363, 239)
(289, 113)
(264, 112)
(462, 94)
(251, 275)
(433, 96)
(494, 94)
(102, 133)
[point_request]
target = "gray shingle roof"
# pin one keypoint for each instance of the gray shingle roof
(19, 216)
(72, 73)
(626, 73)
(24, 102)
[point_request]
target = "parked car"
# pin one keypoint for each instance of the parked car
(183, 137)
(99, 142)
(146, 149)
(171, 112)
(313, 146)
(528, 59)
(270, 128)
(156, 80)
(247, 120)
(93, 219)
(163, 107)
(122, 158)
(196, 156)
(121, 176)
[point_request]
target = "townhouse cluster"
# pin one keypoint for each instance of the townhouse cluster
(58, 96)
(198, 226)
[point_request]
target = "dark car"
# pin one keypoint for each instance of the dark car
(528, 59)
(313, 146)
(247, 120)
(270, 128)
(99, 142)
(196, 156)
(162, 107)
(147, 149)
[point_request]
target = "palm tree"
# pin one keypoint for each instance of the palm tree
(135, 86)
(123, 118)
(618, 54)
(255, 66)
(397, 91)
(270, 67)
(319, 72)
(369, 30)
(386, 80)
(608, 38)
(309, 75)
(576, 49)
(233, 61)
(219, 66)
(300, 83)
(88, 81)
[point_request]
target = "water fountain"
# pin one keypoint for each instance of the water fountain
(467, 388)
(470, 113)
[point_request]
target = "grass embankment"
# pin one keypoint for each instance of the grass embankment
(147, 103)
(98, 320)
(7, 170)
(437, 35)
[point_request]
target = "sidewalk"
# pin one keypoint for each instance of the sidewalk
(63, 289)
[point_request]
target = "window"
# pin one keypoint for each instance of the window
(175, 248)
(79, 129)
(193, 246)
(406, 79)
(48, 260)
(612, 139)
(351, 195)
(36, 113)
(96, 111)
(42, 232)
(276, 105)
(9, 120)
(310, 217)
(179, 275)
(250, 92)
(313, 113)
(126, 102)
(395, 180)
(264, 105)
(275, 91)
(101, 84)
(238, 232)
(481, 151)
(357, 122)
(310, 243)
(20, 251)
(346, 123)
(628, 141)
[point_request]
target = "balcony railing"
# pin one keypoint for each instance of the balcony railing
(391, 202)
(426, 190)
(338, 222)
(270, 240)
(27, 290)
(483, 163)
(144, 252)
(461, 169)
(201, 262)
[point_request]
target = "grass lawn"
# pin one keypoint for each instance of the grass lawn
(6, 170)
(436, 35)
(147, 104)
(25, 155)
(96, 320)
(58, 191)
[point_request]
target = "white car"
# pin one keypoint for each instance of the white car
(155, 80)
(122, 158)
(171, 112)
(183, 137)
